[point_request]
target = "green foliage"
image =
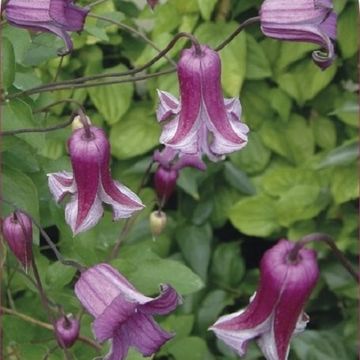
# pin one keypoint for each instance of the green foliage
(296, 175)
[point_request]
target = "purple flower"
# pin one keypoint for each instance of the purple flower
(91, 182)
(170, 163)
(302, 20)
(275, 312)
(56, 16)
(122, 313)
(17, 232)
(67, 330)
(203, 121)
(152, 3)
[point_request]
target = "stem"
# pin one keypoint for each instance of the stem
(71, 85)
(133, 31)
(45, 304)
(46, 325)
(93, 4)
(328, 240)
(223, 10)
(77, 83)
(70, 101)
(237, 31)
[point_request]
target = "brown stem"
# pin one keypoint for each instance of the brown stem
(45, 325)
(328, 240)
(237, 31)
(71, 85)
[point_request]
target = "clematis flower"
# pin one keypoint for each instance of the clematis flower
(67, 330)
(275, 312)
(90, 184)
(56, 16)
(122, 313)
(302, 20)
(170, 163)
(17, 232)
(203, 122)
(152, 3)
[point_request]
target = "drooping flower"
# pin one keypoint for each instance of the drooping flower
(152, 3)
(67, 330)
(122, 313)
(275, 311)
(203, 122)
(17, 232)
(170, 163)
(90, 184)
(302, 20)
(56, 16)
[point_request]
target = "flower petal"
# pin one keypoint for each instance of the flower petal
(60, 184)
(168, 105)
(67, 15)
(166, 302)
(145, 334)
(119, 346)
(113, 316)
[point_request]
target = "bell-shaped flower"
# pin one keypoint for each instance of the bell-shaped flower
(56, 16)
(90, 184)
(122, 314)
(203, 122)
(302, 20)
(67, 330)
(275, 311)
(170, 163)
(17, 232)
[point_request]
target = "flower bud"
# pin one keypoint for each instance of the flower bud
(157, 222)
(165, 182)
(67, 330)
(77, 123)
(17, 232)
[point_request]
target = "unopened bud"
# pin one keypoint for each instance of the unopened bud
(157, 222)
(152, 3)
(165, 182)
(77, 122)
(67, 330)
(17, 232)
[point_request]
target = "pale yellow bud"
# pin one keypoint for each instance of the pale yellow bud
(77, 124)
(157, 222)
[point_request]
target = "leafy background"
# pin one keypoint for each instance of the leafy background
(297, 175)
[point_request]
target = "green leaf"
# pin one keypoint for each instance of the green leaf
(340, 156)
(238, 179)
(211, 307)
(194, 242)
(319, 345)
(8, 63)
(59, 275)
(18, 115)
(301, 202)
(257, 64)
(188, 182)
(233, 56)
(344, 184)
(281, 103)
(324, 132)
(347, 109)
(112, 101)
(255, 216)
(20, 190)
(206, 8)
(43, 47)
(305, 80)
(254, 157)
(147, 271)
(227, 267)
(348, 39)
(20, 40)
(193, 348)
(136, 134)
